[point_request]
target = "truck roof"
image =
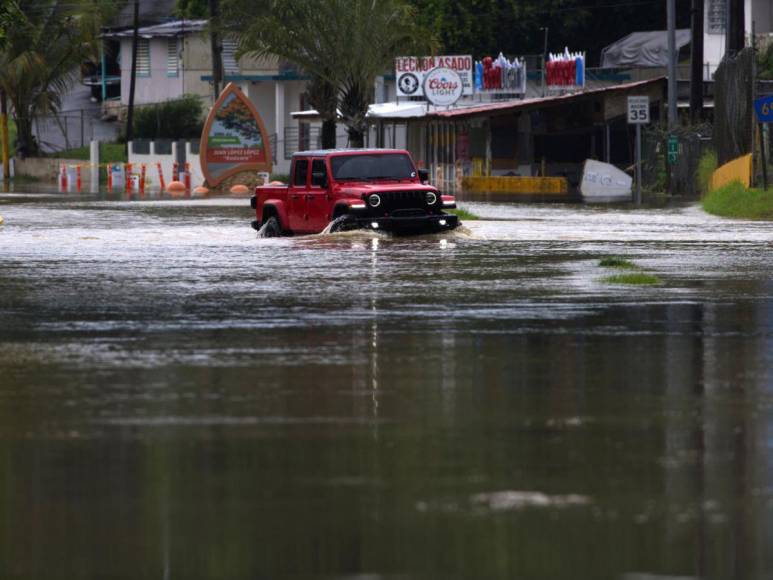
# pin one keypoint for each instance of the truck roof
(350, 150)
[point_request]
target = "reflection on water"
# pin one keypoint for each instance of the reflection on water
(179, 399)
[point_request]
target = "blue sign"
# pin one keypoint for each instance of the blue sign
(763, 106)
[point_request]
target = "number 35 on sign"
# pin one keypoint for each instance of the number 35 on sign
(639, 110)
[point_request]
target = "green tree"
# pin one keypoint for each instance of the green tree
(195, 9)
(43, 50)
(341, 44)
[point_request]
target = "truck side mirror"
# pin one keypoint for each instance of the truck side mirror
(319, 179)
(424, 175)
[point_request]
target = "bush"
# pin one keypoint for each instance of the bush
(735, 201)
(176, 119)
(707, 165)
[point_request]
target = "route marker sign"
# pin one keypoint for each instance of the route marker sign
(673, 149)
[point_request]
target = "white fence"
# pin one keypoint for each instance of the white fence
(156, 159)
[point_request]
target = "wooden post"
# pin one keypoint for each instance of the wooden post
(763, 158)
(4, 136)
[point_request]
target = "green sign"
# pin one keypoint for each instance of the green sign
(673, 149)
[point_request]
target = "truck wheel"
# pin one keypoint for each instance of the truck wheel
(342, 223)
(270, 229)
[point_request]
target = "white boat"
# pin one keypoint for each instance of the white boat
(604, 183)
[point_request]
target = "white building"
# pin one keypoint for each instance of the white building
(174, 59)
(759, 16)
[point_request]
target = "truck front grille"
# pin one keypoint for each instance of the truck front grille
(393, 200)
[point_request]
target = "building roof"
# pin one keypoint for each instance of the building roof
(417, 109)
(150, 12)
(167, 29)
(506, 106)
(642, 49)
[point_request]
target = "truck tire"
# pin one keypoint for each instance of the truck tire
(342, 223)
(270, 229)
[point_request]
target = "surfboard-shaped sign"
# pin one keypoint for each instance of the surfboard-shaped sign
(234, 138)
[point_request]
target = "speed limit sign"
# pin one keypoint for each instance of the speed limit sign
(639, 110)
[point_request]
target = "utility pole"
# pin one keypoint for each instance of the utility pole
(4, 135)
(544, 61)
(671, 14)
(135, 40)
(734, 38)
(696, 62)
(214, 38)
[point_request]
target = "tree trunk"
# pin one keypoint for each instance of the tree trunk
(25, 140)
(696, 63)
(215, 47)
(133, 80)
(328, 134)
(356, 137)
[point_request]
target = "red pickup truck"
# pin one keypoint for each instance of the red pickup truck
(378, 189)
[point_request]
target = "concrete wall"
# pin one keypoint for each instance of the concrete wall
(47, 168)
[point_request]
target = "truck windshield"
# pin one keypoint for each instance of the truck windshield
(375, 166)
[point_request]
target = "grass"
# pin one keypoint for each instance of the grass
(463, 214)
(736, 201)
(108, 153)
(707, 165)
(633, 278)
(617, 262)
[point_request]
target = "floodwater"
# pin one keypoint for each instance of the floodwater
(179, 399)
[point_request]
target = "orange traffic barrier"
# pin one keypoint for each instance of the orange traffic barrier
(175, 187)
(128, 177)
(63, 178)
(142, 178)
(161, 177)
(239, 189)
(110, 179)
(175, 171)
(78, 178)
(187, 177)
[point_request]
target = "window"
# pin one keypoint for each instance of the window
(172, 60)
(143, 57)
(301, 169)
(317, 166)
(228, 54)
(716, 16)
(376, 166)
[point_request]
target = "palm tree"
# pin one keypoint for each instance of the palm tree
(342, 44)
(39, 61)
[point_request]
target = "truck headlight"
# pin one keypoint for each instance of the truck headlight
(374, 200)
(431, 198)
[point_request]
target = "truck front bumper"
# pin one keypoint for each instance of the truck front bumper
(424, 224)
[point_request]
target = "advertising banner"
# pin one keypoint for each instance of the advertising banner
(442, 86)
(410, 72)
(234, 138)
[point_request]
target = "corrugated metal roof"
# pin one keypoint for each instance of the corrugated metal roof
(168, 29)
(531, 103)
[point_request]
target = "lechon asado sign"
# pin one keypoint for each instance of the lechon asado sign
(411, 71)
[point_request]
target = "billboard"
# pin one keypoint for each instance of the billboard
(234, 138)
(410, 72)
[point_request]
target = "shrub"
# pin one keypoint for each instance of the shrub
(176, 119)
(707, 165)
(735, 201)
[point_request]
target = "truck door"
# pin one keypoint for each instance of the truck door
(297, 196)
(317, 199)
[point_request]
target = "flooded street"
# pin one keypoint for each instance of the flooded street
(179, 399)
